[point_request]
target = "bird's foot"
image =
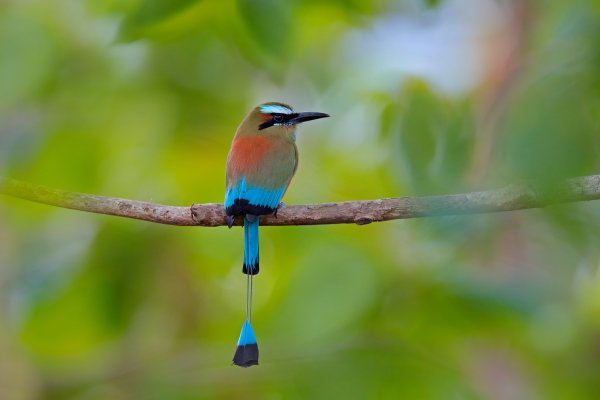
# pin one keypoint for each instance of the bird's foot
(277, 209)
(230, 219)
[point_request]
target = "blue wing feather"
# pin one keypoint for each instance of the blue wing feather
(255, 195)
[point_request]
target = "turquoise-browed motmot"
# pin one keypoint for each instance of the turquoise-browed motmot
(261, 163)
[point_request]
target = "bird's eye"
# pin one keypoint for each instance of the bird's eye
(277, 117)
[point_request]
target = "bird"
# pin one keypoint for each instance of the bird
(260, 166)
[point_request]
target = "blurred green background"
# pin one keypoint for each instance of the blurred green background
(140, 99)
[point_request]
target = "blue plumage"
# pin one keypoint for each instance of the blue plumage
(251, 265)
(252, 201)
(246, 352)
(246, 335)
(275, 109)
(255, 195)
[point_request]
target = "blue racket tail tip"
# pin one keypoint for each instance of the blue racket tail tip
(246, 353)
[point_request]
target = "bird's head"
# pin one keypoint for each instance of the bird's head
(275, 118)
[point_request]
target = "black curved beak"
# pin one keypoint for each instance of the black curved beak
(307, 116)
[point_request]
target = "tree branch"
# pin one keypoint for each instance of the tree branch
(514, 197)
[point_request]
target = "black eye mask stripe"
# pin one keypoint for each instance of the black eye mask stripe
(277, 119)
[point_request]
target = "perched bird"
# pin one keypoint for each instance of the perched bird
(261, 163)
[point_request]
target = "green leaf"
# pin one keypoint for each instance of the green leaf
(432, 3)
(270, 24)
(27, 57)
(149, 13)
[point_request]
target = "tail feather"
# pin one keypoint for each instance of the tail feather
(250, 245)
(246, 352)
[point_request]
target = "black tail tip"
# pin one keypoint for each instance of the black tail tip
(246, 355)
(250, 269)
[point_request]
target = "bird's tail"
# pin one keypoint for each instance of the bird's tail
(246, 353)
(250, 245)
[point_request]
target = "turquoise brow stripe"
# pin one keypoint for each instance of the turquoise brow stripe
(274, 108)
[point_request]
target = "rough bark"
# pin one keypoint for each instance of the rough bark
(513, 197)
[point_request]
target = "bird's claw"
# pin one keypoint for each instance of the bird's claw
(230, 219)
